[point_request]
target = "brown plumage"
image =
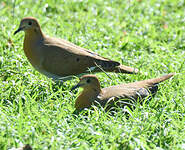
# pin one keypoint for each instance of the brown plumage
(129, 93)
(57, 58)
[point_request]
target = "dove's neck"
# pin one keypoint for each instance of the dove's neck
(86, 98)
(32, 42)
(34, 34)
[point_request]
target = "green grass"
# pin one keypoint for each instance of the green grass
(148, 35)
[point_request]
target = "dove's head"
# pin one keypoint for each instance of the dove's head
(88, 82)
(28, 24)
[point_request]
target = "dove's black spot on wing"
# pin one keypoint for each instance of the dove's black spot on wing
(78, 59)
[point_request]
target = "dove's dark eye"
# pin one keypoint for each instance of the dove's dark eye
(88, 81)
(29, 23)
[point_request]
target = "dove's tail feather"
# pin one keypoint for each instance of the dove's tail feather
(160, 79)
(122, 69)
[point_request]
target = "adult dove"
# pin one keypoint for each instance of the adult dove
(60, 59)
(123, 94)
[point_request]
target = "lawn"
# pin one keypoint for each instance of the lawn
(145, 34)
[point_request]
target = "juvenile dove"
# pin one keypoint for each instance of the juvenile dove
(60, 59)
(126, 93)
